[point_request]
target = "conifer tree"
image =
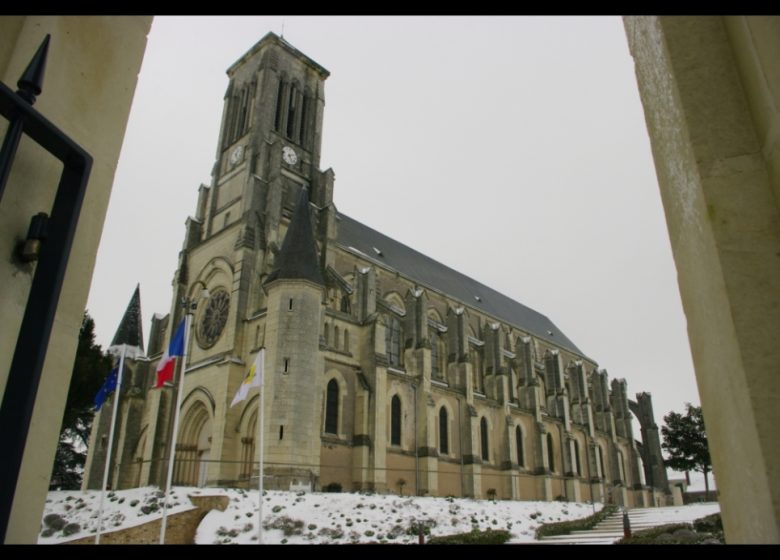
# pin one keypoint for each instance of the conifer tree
(90, 369)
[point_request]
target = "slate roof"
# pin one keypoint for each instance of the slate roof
(298, 257)
(362, 240)
(130, 331)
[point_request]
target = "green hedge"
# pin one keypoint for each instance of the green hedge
(565, 527)
(706, 528)
(490, 536)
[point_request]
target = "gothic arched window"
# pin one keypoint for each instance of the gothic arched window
(435, 356)
(395, 421)
(393, 341)
(519, 443)
(444, 442)
(577, 457)
(345, 307)
(483, 432)
(476, 361)
(305, 111)
(279, 103)
(550, 453)
(332, 408)
(601, 468)
(292, 109)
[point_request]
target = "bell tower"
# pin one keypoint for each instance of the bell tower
(268, 151)
(267, 157)
(269, 140)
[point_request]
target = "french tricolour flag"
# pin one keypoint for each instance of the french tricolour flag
(168, 361)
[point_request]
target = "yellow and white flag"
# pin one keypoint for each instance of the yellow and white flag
(253, 379)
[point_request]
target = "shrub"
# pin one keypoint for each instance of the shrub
(71, 529)
(710, 524)
(490, 536)
(395, 531)
(287, 525)
(705, 530)
(224, 532)
(336, 533)
(649, 536)
(332, 487)
(424, 525)
(54, 521)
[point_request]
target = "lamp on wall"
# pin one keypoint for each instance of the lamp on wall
(29, 249)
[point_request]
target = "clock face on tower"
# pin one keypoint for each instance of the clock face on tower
(289, 156)
(236, 154)
(213, 319)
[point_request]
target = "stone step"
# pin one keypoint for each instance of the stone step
(585, 532)
(611, 529)
(620, 525)
(572, 536)
(576, 541)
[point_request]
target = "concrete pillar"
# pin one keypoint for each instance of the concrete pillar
(88, 87)
(710, 87)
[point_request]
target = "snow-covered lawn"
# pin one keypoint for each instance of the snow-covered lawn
(311, 518)
(78, 511)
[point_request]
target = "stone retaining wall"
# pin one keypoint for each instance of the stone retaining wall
(180, 529)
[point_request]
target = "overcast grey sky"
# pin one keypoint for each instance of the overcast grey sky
(512, 149)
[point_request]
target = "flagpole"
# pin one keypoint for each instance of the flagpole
(172, 451)
(260, 442)
(110, 441)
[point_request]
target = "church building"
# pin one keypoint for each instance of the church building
(384, 369)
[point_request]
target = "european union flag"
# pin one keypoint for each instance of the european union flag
(108, 387)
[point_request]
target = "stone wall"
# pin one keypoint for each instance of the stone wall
(180, 529)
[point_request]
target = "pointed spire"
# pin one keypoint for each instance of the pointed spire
(31, 83)
(298, 256)
(130, 331)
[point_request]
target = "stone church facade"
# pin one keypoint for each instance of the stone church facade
(385, 370)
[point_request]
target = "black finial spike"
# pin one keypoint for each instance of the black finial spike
(31, 83)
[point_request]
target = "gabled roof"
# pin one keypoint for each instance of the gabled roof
(297, 258)
(376, 247)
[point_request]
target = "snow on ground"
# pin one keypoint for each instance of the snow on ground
(78, 511)
(318, 518)
(311, 518)
(314, 518)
